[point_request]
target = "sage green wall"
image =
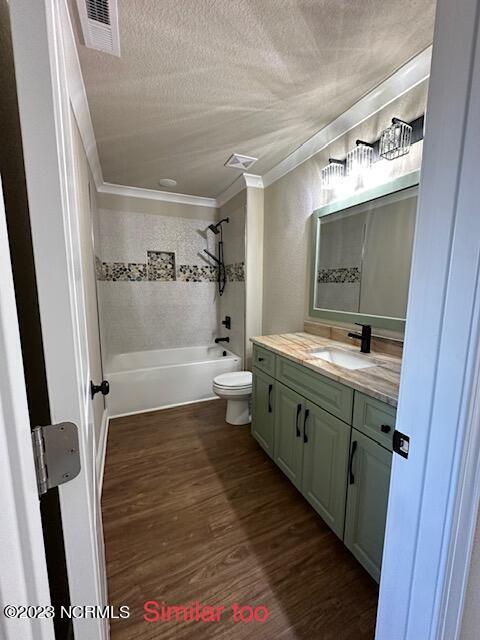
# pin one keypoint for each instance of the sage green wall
(290, 201)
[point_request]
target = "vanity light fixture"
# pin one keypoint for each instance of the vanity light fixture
(396, 140)
(334, 173)
(360, 159)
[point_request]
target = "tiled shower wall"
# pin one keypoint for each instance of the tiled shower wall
(156, 288)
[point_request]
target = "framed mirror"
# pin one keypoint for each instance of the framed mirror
(361, 255)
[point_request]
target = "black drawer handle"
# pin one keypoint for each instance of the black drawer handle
(260, 359)
(305, 436)
(299, 408)
(386, 428)
(350, 464)
(270, 387)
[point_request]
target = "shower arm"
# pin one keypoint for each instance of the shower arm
(210, 255)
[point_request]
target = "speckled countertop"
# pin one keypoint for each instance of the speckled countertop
(380, 381)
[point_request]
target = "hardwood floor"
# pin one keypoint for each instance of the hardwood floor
(194, 510)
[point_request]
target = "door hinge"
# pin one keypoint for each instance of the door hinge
(57, 456)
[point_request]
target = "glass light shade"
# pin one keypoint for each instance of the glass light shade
(359, 160)
(396, 140)
(333, 175)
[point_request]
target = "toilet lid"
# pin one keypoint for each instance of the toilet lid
(235, 379)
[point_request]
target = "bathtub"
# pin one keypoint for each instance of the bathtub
(147, 380)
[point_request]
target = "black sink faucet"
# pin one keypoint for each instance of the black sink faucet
(218, 340)
(365, 337)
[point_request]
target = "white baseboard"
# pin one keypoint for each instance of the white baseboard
(167, 406)
(102, 450)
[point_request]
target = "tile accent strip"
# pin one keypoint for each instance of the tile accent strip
(130, 271)
(235, 272)
(161, 265)
(196, 273)
(339, 275)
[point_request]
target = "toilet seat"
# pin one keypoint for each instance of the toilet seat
(240, 380)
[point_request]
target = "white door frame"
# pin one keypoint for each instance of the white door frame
(45, 117)
(23, 570)
(434, 494)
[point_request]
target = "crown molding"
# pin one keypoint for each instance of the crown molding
(404, 79)
(236, 186)
(78, 95)
(152, 194)
(252, 180)
(243, 181)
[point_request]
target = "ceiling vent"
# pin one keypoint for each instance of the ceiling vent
(238, 161)
(99, 19)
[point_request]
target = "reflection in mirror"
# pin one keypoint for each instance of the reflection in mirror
(364, 255)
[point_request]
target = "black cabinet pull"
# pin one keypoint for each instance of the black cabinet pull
(270, 387)
(305, 436)
(103, 388)
(386, 428)
(299, 408)
(260, 359)
(350, 464)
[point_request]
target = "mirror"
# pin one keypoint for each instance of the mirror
(362, 256)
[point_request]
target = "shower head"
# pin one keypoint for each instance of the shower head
(216, 227)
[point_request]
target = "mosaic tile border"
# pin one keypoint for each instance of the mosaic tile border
(124, 271)
(161, 267)
(196, 273)
(235, 272)
(341, 275)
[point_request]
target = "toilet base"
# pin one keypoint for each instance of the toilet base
(238, 412)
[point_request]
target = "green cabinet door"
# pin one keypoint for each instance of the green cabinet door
(369, 482)
(325, 464)
(263, 405)
(288, 450)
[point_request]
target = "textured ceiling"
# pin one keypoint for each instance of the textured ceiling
(201, 79)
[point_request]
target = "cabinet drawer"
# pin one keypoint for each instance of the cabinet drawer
(264, 360)
(330, 395)
(375, 419)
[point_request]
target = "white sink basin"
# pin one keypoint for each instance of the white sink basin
(343, 359)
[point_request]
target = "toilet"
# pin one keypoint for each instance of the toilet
(236, 388)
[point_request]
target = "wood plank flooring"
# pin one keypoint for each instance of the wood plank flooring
(194, 510)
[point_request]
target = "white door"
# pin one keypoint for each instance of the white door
(54, 194)
(23, 571)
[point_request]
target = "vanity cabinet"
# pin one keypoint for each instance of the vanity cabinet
(333, 443)
(367, 500)
(263, 406)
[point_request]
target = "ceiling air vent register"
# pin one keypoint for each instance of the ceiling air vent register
(99, 20)
(239, 161)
